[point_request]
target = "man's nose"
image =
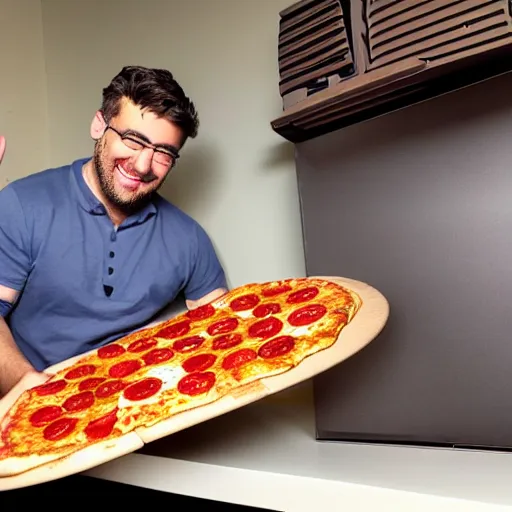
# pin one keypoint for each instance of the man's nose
(144, 161)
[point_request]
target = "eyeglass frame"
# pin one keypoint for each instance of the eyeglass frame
(141, 139)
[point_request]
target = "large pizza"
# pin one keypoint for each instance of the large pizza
(251, 333)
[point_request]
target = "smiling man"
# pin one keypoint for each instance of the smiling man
(90, 251)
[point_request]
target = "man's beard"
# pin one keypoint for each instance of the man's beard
(130, 205)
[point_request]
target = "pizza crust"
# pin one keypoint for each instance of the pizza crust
(48, 469)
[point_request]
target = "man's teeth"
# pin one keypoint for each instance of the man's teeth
(128, 173)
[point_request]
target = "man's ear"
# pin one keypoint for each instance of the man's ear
(98, 126)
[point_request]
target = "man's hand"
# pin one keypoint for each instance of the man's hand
(2, 147)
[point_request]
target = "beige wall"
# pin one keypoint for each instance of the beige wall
(238, 177)
(23, 116)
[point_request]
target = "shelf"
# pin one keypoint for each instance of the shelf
(266, 455)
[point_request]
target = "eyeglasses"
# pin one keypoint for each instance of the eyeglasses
(165, 156)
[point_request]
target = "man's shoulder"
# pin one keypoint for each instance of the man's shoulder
(176, 218)
(42, 185)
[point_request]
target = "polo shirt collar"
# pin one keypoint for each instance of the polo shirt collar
(90, 203)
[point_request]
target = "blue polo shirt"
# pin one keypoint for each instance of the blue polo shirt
(84, 283)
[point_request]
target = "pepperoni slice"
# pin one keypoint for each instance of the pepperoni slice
(158, 355)
(244, 302)
(60, 429)
(201, 313)
(238, 358)
(272, 291)
(223, 326)
(45, 415)
(265, 328)
(303, 295)
(277, 347)
(101, 427)
(110, 388)
(50, 388)
(226, 341)
(197, 383)
(188, 344)
(91, 383)
(80, 371)
(124, 368)
(143, 389)
(307, 315)
(266, 309)
(142, 345)
(110, 351)
(79, 402)
(175, 330)
(199, 363)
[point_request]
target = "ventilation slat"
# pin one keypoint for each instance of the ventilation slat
(422, 40)
(338, 40)
(322, 7)
(460, 38)
(312, 38)
(432, 24)
(299, 32)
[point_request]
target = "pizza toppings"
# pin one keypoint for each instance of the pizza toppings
(188, 344)
(303, 295)
(201, 312)
(197, 383)
(157, 356)
(238, 358)
(110, 388)
(91, 383)
(79, 402)
(199, 363)
(277, 347)
(45, 415)
(223, 326)
(142, 345)
(124, 368)
(307, 315)
(50, 388)
(101, 427)
(265, 328)
(264, 310)
(175, 330)
(244, 302)
(225, 341)
(143, 389)
(80, 372)
(60, 429)
(273, 291)
(110, 351)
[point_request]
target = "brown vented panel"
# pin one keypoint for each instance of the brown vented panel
(437, 31)
(344, 61)
(314, 48)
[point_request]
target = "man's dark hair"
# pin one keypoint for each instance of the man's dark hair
(154, 89)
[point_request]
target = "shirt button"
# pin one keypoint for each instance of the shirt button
(110, 271)
(113, 236)
(111, 254)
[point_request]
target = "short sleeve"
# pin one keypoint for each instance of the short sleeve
(207, 273)
(15, 257)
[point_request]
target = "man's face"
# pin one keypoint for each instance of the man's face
(127, 171)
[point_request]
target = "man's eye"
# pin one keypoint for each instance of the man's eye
(133, 143)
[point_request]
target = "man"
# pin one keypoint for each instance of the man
(90, 251)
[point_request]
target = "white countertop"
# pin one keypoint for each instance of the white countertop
(265, 455)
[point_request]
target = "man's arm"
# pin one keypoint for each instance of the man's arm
(218, 292)
(13, 364)
(207, 280)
